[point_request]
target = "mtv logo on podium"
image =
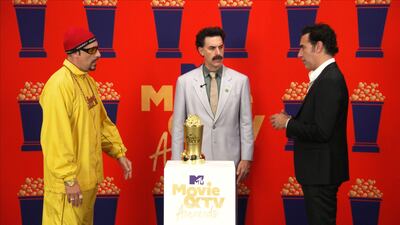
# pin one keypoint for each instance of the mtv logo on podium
(196, 179)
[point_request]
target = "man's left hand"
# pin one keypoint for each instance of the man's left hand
(126, 165)
(278, 120)
(243, 170)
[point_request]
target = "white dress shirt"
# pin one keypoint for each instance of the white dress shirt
(313, 75)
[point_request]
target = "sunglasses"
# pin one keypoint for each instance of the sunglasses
(90, 51)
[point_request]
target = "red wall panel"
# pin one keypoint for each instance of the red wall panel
(270, 73)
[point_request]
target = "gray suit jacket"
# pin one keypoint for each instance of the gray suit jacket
(228, 136)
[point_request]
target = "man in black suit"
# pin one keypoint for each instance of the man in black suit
(319, 128)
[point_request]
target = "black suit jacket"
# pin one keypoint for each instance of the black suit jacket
(319, 131)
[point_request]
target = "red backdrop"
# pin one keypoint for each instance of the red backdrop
(270, 73)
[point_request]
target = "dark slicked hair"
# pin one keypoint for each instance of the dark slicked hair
(208, 32)
(324, 33)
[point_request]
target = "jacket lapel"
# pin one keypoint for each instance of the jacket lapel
(311, 90)
(224, 92)
(201, 91)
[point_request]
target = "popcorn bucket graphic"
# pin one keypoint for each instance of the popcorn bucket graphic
(186, 67)
(105, 209)
(234, 23)
(365, 211)
(371, 24)
(295, 211)
(292, 108)
(168, 26)
(31, 116)
(159, 204)
(101, 23)
(298, 18)
(111, 107)
(241, 208)
(31, 30)
(31, 210)
(366, 116)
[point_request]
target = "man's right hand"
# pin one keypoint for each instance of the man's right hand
(74, 194)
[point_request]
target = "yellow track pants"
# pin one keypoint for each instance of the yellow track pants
(58, 211)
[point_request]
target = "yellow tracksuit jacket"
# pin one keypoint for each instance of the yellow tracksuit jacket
(73, 136)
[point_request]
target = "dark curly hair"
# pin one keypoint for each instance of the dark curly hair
(324, 33)
(208, 32)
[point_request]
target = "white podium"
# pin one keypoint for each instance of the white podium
(200, 194)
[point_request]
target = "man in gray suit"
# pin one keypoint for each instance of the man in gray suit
(220, 96)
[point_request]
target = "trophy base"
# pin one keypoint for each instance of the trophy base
(185, 157)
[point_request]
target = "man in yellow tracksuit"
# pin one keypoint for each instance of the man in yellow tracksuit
(75, 130)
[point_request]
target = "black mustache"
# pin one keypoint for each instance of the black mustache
(217, 57)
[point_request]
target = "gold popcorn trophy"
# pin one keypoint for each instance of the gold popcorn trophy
(193, 134)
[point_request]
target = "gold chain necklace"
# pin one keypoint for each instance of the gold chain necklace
(91, 101)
